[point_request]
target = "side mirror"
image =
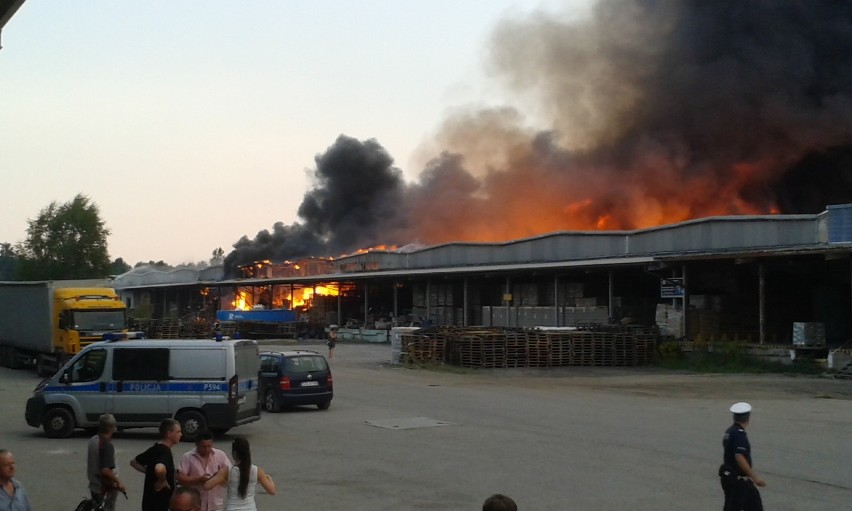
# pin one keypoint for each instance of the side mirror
(62, 323)
(65, 378)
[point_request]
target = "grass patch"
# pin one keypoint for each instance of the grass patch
(734, 361)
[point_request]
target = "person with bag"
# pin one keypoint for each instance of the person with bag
(241, 479)
(101, 470)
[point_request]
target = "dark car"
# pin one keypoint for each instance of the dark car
(289, 378)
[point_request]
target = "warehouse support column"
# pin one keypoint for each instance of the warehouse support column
(556, 300)
(366, 303)
(610, 310)
(339, 305)
(761, 300)
(507, 297)
(428, 308)
(464, 302)
(684, 300)
(395, 320)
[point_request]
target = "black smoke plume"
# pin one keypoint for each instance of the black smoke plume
(642, 113)
(356, 189)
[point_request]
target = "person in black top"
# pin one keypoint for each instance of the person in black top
(739, 480)
(158, 465)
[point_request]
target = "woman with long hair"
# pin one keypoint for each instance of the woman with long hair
(241, 479)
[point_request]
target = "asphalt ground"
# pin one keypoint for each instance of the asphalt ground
(557, 439)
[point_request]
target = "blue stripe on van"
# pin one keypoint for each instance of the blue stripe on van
(173, 387)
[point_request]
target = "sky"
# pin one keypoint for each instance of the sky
(191, 124)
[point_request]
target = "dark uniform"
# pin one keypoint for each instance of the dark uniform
(740, 492)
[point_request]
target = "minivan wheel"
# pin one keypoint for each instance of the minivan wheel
(58, 423)
(191, 424)
(324, 405)
(271, 403)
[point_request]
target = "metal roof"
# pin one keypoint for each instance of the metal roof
(705, 238)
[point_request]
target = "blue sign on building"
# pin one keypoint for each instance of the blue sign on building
(261, 316)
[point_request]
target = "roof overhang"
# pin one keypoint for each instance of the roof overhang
(7, 9)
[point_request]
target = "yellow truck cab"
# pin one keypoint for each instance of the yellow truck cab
(45, 323)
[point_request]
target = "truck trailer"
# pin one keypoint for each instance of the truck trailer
(43, 324)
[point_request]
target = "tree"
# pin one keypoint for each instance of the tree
(118, 267)
(8, 261)
(217, 257)
(65, 241)
(159, 265)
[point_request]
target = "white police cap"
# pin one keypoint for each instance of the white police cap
(741, 407)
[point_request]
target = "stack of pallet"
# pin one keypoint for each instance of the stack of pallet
(493, 347)
(538, 349)
(424, 348)
(484, 348)
(169, 329)
(516, 347)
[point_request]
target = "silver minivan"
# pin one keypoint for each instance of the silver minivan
(204, 384)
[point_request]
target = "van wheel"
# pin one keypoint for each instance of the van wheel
(58, 423)
(324, 405)
(191, 424)
(271, 403)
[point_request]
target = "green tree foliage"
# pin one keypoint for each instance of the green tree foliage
(118, 267)
(65, 241)
(8, 261)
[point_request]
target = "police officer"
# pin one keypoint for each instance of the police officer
(739, 480)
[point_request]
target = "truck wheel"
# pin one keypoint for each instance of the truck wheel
(58, 423)
(43, 367)
(271, 403)
(14, 361)
(191, 424)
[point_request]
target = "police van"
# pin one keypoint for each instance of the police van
(204, 384)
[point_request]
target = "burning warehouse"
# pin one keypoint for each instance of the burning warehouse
(746, 277)
(692, 144)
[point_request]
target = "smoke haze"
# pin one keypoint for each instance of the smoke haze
(654, 111)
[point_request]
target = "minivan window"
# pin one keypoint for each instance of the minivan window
(304, 364)
(89, 367)
(268, 364)
(150, 364)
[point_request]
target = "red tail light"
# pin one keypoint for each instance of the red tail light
(233, 389)
(284, 383)
(330, 380)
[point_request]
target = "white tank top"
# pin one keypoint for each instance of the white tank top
(234, 502)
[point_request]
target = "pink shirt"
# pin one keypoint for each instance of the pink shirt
(193, 465)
